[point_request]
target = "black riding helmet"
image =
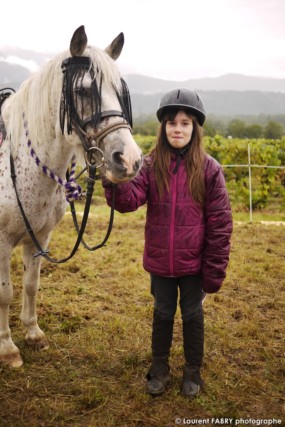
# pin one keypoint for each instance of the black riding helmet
(185, 99)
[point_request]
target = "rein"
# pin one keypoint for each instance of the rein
(110, 226)
(80, 230)
(73, 192)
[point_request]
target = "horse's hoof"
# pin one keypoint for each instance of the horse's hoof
(13, 360)
(17, 363)
(38, 343)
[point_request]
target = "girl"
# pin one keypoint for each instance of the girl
(187, 232)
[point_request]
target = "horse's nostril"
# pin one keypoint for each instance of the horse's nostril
(137, 165)
(117, 158)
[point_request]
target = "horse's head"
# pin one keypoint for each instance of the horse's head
(95, 106)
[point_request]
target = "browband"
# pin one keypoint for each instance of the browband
(83, 61)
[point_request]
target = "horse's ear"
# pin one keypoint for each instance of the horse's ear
(115, 48)
(78, 42)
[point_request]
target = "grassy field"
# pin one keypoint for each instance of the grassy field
(96, 311)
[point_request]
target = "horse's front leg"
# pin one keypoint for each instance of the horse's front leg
(9, 353)
(31, 281)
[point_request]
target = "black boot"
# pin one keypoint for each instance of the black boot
(158, 375)
(193, 337)
(192, 383)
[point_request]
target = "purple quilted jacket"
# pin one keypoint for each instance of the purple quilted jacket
(181, 238)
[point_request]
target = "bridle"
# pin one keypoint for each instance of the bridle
(73, 93)
(74, 70)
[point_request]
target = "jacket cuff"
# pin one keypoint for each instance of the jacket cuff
(210, 287)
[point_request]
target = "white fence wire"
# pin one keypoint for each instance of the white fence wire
(250, 166)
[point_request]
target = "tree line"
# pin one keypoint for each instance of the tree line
(233, 128)
(237, 128)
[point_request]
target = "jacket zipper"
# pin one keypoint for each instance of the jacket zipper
(172, 223)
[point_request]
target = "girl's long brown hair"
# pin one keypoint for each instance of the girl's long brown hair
(194, 159)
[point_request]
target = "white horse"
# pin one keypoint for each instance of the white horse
(76, 105)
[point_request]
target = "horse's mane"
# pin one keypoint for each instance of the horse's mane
(39, 96)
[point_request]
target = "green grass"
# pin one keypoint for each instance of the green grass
(96, 311)
(258, 216)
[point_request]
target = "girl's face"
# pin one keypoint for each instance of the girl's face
(179, 130)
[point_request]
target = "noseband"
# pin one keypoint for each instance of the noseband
(74, 70)
(97, 137)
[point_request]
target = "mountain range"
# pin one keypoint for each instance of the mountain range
(228, 95)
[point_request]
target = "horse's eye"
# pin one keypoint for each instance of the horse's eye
(83, 92)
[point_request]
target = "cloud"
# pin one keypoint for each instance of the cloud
(31, 65)
(179, 40)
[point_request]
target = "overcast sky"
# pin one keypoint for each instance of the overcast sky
(174, 40)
